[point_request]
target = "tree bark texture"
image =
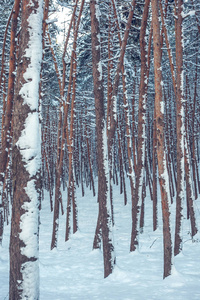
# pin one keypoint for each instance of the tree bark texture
(161, 156)
(105, 217)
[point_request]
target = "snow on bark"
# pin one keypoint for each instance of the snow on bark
(30, 282)
(161, 154)
(29, 146)
(99, 68)
(103, 171)
(97, 10)
(106, 168)
(29, 223)
(29, 143)
(165, 178)
(180, 130)
(30, 89)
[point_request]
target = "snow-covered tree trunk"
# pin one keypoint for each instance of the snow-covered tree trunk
(180, 129)
(24, 240)
(154, 170)
(161, 156)
(103, 173)
(189, 190)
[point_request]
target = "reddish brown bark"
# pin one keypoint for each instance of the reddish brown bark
(162, 169)
(189, 191)
(5, 140)
(109, 259)
(168, 46)
(155, 179)
(7, 118)
(180, 130)
(25, 207)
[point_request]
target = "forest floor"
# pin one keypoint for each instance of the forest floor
(75, 271)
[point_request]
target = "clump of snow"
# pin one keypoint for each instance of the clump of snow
(29, 143)
(99, 68)
(114, 107)
(30, 90)
(98, 13)
(29, 274)
(189, 14)
(30, 223)
(162, 107)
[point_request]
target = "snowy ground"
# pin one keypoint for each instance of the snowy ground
(74, 271)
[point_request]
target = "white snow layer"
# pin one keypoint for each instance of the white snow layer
(30, 89)
(29, 223)
(73, 271)
(31, 288)
(106, 167)
(99, 68)
(98, 13)
(29, 143)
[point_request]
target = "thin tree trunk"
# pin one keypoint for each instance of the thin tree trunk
(180, 131)
(106, 223)
(137, 198)
(189, 191)
(6, 124)
(162, 168)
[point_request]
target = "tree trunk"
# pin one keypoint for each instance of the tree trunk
(161, 156)
(24, 239)
(180, 131)
(6, 121)
(103, 173)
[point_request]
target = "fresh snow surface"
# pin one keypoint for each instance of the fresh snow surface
(75, 271)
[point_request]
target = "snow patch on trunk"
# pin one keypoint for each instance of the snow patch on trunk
(30, 280)
(29, 143)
